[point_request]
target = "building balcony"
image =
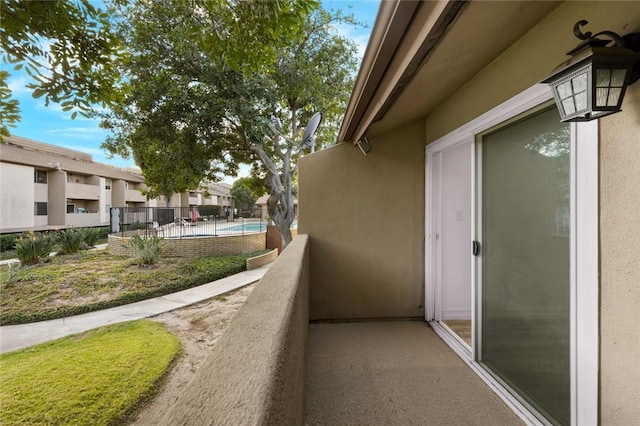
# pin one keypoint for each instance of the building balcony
(83, 219)
(134, 196)
(292, 372)
(81, 191)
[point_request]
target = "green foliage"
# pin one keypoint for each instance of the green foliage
(209, 210)
(243, 196)
(95, 280)
(8, 241)
(9, 108)
(189, 116)
(95, 378)
(91, 236)
(103, 232)
(66, 47)
(147, 250)
(34, 247)
(12, 274)
(248, 32)
(70, 240)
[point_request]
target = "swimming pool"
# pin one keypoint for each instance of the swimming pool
(246, 227)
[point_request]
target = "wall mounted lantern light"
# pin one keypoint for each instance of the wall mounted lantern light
(591, 84)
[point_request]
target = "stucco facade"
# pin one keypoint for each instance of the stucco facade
(365, 216)
(45, 187)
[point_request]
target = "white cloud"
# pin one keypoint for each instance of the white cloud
(359, 36)
(18, 85)
(83, 133)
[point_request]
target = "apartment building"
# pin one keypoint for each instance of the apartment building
(44, 186)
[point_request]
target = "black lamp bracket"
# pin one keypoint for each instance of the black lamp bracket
(593, 39)
(629, 41)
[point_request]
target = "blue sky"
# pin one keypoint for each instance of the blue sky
(53, 126)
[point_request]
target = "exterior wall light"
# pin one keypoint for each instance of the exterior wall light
(591, 84)
(365, 145)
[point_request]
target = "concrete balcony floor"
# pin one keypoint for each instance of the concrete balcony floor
(393, 373)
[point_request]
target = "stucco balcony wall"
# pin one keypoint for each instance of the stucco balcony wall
(82, 191)
(83, 219)
(255, 374)
(135, 196)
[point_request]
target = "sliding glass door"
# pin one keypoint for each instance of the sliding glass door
(524, 266)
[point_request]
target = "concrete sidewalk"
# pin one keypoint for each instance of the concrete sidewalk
(13, 337)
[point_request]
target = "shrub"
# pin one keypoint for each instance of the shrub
(70, 240)
(33, 247)
(103, 232)
(209, 210)
(8, 241)
(11, 275)
(147, 250)
(91, 236)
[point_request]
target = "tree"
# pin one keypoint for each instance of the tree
(66, 47)
(177, 94)
(244, 197)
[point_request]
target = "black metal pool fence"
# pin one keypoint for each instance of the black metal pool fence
(180, 222)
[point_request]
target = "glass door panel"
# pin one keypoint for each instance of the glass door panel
(525, 260)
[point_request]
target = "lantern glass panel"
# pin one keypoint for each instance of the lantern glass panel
(603, 77)
(581, 101)
(618, 77)
(614, 96)
(564, 90)
(568, 106)
(602, 96)
(579, 83)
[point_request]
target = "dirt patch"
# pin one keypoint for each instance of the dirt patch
(198, 327)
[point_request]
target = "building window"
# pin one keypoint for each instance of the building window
(40, 176)
(71, 208)
(40, 209)
(107, 184)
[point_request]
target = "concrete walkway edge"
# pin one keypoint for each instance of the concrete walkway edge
(14, 337)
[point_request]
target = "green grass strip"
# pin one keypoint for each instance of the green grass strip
(94, 378)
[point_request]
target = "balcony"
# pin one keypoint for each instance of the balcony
(290, 372)
(134, 196)
(83, 219)
(81, 191)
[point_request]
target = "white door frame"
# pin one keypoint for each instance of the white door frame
(584, 309)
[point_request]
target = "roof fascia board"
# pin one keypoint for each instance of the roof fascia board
(421, 35)
(385, 37)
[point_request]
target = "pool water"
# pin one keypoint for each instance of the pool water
(247, 227)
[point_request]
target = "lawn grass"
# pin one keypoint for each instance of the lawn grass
(92, 280)
(94, 378)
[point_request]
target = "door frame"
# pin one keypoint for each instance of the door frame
(584, 299)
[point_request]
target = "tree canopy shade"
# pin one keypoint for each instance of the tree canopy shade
(66, 47)
(243, 196)
(188, 115)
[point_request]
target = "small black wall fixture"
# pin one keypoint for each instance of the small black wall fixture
(365, 145)
(591, 84)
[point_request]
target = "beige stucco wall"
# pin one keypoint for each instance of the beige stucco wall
(18, 196)
(520, 67)
(620, 263)
(365, 219)
(530, 60)
(57, 207)
(255, 373)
